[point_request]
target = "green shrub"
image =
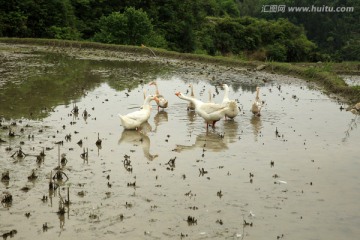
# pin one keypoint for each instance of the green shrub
(132, 27)
(276, 52)
(65, 33)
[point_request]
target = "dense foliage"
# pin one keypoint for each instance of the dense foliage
(226, 27)
(336, 33)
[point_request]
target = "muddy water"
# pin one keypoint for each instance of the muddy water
(311, 191)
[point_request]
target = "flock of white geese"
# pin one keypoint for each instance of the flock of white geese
(211, 112)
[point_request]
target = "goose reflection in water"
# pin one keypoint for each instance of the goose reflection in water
(191, 115)
(230, 131)
(256, 125)
(139, 138)
(213, 140)
(160, 118)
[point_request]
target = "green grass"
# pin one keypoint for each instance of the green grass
(324, 74)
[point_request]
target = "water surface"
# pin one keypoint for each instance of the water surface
(310, 191)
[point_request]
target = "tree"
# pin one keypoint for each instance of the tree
(282, 40)
(112, 29)
(30, 18)
(13, 24)
(138, 25)
(331, 31)
(131, 27)
(276, 52)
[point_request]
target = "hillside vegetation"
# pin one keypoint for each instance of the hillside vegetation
(241, 28)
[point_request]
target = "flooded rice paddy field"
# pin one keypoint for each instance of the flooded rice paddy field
(292, 173)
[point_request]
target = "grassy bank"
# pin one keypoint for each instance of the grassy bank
(328, 79)
(324, 74)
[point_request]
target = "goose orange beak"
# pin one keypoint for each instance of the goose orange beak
(177, 93)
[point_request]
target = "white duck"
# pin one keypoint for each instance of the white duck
(191, 106)
(233, 109)
(135, 119)
(161, 102)
(210, 112)
(257, 105)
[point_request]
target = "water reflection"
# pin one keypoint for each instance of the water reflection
(256, 126)
(230, 130)
(300, 121)
(161, 117)
(47, 80)
(191, 115)
(35, 97)
(61, 221)
(212, 141)
(215, 140)
(139, 138)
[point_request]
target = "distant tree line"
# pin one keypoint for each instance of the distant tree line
(215, 27)
(337, 34)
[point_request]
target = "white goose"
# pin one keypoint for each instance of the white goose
(210, 112)
(161, 102)
(233, 109)
(135, 119)
(257, 105)
(191, 106)
(144, 92)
